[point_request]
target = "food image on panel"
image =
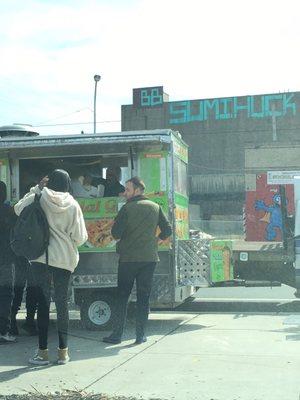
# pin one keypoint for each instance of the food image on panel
(99, 232)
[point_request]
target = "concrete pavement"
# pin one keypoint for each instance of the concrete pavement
(188, 356)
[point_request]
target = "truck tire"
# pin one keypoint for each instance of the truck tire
(98, 311)
(297, 293)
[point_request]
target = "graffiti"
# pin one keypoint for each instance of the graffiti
(151, 97)
(272, 217)
(277, 105)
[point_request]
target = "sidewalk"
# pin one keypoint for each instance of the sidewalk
(188, 356)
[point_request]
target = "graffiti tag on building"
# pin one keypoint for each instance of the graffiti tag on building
(277, 105)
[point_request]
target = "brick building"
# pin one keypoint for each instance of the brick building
(216, 131)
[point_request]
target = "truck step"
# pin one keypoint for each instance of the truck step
(244, 283)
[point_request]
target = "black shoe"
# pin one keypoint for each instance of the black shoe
(14, 328)
(111, 339)
(29, 328)
(140, 340)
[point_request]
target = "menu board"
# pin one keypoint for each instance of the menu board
(152, 167)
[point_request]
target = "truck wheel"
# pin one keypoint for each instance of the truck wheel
(97, 312)
(297, 293)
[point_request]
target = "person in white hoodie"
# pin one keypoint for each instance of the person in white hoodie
(67, 232)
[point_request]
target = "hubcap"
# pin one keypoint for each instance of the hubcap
(99, 312)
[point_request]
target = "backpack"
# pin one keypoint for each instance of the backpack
(30, 235)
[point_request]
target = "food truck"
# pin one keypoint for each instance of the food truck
(160, 158)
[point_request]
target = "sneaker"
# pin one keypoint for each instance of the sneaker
(111, 339)
(14, 328)
(7, 338)
(63, 356)
(29, 328)
(40, 358)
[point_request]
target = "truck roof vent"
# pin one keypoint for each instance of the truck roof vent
(17, 131)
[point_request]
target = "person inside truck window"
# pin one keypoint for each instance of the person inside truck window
(112, 185)
(83, 187)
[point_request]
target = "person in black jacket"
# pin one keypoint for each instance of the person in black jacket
(24, 279)
(112, 185)
(7, 221)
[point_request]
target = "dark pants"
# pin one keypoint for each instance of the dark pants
(23, 277)
(6, 295)
(128, 272)
(42, 278)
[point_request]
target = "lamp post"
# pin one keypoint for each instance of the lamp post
(96, 79)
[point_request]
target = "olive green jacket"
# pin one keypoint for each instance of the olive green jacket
(135, 226)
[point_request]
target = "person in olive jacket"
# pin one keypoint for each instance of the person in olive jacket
(135, 228)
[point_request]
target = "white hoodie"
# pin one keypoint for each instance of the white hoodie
(66, 223)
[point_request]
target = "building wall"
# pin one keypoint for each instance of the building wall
(216, 131)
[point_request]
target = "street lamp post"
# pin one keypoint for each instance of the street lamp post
(96, 79)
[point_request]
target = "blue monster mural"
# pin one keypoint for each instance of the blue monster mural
(274, 219)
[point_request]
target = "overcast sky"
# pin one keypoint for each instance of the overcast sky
(50, 51)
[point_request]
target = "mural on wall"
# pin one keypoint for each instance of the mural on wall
(151, 97)
(262, 210)
(227, 108)
(277, 105)
(272, 216)
(148, 97)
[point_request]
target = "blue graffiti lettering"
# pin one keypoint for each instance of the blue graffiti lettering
(277, 105)
(255, 103)
(286, 104)
(198, 116)
(270, 108)
(180, 109)
(240, 107)
(151, 97)
(210, 105)
(225, 103)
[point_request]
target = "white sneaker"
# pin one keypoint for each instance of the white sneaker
(40, 358)
(7, 338)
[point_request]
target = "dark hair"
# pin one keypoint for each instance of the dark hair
(3, 192)
(137, 183)
(114, 172)
(59, 181)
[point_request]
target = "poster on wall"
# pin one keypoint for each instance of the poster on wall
(221, 266)
(153, 170)
(263, 212)
(99, 214)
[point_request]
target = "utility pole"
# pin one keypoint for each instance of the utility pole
(96, 79)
